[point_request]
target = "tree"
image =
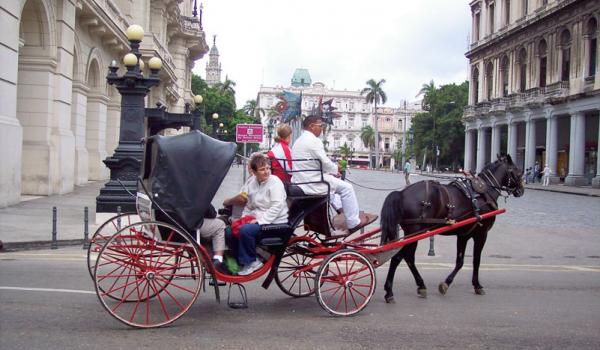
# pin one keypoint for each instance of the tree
(444, 109)
(227, 86)
(428, 92)
(345, 150)
(251, 108)
(375, 94)
(367, 136)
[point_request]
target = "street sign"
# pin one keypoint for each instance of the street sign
(249, 133)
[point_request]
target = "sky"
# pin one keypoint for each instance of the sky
(342, 43)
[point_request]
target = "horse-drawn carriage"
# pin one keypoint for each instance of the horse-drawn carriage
(149, 267)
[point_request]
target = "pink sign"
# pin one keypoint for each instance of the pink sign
(249, 133)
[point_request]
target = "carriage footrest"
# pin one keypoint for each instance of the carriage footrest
(243, 304)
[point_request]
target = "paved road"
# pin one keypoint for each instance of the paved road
(47, 303)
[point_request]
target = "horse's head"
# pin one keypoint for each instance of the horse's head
(509, 176)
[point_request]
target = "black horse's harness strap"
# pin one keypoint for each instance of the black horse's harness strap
(426, 203)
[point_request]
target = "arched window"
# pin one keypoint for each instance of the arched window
(504, 66)
(565, 47)
(489, 80)
(522, 70)
(475, 85)
(543, 61)
(592, 28)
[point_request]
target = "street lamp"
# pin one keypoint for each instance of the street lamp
(270, 127)
(197, 113)
(125, 163)
(215, 117)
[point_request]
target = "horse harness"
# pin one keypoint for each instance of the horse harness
(473, 188)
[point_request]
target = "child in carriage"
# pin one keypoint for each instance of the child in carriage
(264, 200)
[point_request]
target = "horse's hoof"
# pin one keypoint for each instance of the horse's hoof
(443, 288)
(390, 299)
(479, 291)
(422, 292)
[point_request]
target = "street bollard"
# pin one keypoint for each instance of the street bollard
(118, 218)
(431, 251)
(86, 232)
(54, 244)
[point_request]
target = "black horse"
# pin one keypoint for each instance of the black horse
(429, 204)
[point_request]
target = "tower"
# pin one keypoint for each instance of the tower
(213, 67)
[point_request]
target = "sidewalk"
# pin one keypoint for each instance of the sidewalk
(29, 224)
(560, 188)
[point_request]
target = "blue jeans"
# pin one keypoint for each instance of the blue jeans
(243, 248)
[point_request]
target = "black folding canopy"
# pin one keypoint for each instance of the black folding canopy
(184, 172)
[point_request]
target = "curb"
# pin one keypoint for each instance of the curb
(36, 245)
(563, 192)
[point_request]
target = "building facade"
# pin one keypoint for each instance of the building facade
(534, 89)
(394, 123)
(213, 66)
(59, 119)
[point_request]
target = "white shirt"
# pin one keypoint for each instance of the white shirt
(308, 146)
(266, 200)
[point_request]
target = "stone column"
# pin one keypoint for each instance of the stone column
(596, 179)
(96, 136)
(529, 143)
(468, 150)
(551, 145)
(512, 140)
(576, 151)
(495, 142)
(11, 131)
(78, 115)
(481, 142)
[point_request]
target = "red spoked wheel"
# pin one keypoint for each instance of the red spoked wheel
(103, 234)
(291, 277)
(148, 274)
(345, 283)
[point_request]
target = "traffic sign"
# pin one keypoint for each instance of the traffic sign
(249, 133)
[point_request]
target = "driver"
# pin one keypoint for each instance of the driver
(309, 146)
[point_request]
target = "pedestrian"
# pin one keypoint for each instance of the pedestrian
(528, 175)
(407, 173)
(546, 173)
(536, 172)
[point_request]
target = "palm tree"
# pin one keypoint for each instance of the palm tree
(227, 86)
(428, 91)
(375, 94)
(251, 108)
(367, 136)
(345, 150)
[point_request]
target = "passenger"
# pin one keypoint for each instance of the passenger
(280, 155)
(309, 146)
(265, 203)
(213, 229)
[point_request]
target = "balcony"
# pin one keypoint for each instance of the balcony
(532, 98)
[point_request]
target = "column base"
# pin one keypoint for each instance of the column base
(554, 180)
(576, 180)
(596, 182)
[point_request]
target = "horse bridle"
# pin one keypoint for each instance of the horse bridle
(510, 189)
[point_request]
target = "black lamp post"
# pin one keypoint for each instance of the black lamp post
(270, 127)
(125, 163)
(215, 118)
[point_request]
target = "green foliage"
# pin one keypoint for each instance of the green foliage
(367, 136)
(345, 150)
(444, 106)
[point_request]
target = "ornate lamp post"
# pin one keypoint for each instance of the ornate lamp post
(125, 163)
(270, 127)
(197, 113)
(215, 118)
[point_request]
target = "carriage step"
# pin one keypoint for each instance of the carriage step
(243, 304)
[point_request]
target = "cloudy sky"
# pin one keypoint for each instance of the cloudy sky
(342, 43)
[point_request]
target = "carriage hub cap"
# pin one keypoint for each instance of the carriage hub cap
(150, 275)
(349, 284)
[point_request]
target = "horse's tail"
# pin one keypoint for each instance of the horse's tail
(390, 214)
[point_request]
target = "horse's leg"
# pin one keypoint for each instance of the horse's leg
(461, 245)
(389, 281)
(409, 257)
(479, 242)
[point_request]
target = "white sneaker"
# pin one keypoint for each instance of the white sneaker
(248, 269)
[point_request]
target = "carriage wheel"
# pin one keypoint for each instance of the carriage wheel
(295, 257)
(148, 274)
(103, 233)
(345, 283)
